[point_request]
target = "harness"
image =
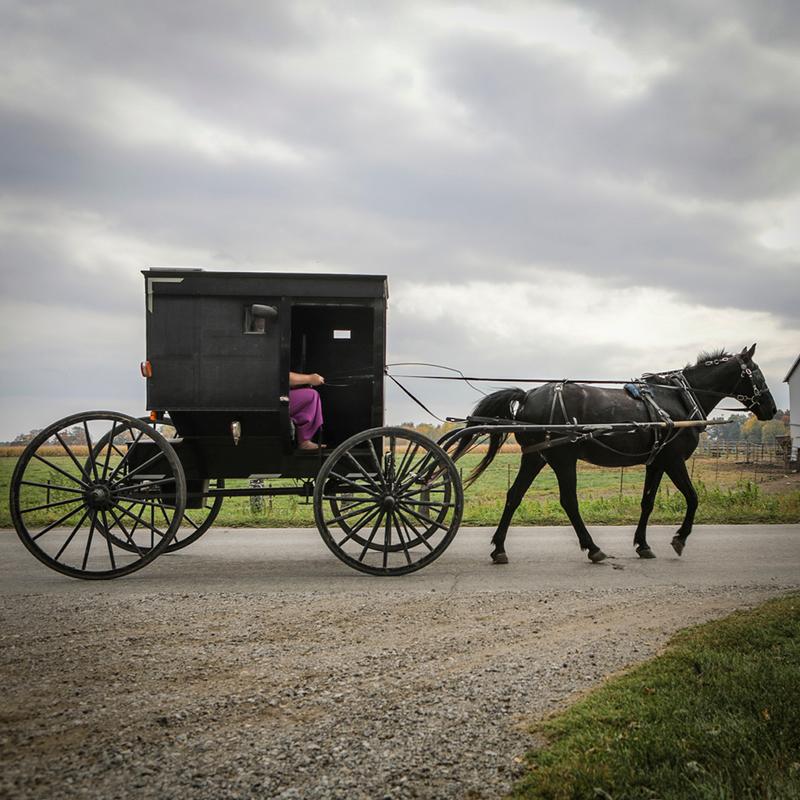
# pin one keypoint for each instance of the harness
(639, 390)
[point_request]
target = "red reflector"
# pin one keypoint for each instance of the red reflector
(146, 369)
(154, 416)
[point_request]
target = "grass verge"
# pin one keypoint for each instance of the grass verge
(607, 497)
(717, 715)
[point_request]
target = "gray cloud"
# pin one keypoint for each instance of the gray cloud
(456, 152)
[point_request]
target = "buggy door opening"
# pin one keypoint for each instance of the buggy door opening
(338, 342)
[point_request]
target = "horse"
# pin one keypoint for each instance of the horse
(684, 394)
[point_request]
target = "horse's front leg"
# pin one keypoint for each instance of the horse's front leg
(565, 467)
(530, 466)
(652, 479)
(676, 469)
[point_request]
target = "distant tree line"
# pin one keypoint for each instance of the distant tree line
(746, 428)
(74, 435)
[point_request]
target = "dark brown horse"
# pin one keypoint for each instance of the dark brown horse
(690, 393)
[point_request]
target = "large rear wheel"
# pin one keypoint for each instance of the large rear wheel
(388, 501)
(91, 482)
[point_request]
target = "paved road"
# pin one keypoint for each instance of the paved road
(237, 560)
(255, 664)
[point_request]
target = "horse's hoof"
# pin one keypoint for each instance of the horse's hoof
(678, 544)
(597, 556)
(645, 552)
(499, 558)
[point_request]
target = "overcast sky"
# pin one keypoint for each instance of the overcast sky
(587, 190)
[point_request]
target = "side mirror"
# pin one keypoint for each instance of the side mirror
(257, 317)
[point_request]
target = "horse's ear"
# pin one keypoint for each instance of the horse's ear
(751, 351)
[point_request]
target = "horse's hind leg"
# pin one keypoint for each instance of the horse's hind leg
(652, 479)
(565, 469)
(676, 469)
(530, 466)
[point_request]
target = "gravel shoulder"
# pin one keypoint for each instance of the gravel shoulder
(354, 689)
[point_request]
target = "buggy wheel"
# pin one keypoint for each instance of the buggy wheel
(388, 501)
(91, 481)
(195, 521)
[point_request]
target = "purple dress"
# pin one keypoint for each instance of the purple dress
(305, 409)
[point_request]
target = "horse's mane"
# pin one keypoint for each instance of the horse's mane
(709, 355)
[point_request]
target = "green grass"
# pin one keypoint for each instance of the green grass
(716, 717)
(727, 495)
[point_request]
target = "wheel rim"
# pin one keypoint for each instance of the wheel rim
(90, 482)
(388, 501)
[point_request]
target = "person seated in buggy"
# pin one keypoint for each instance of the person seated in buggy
(305, 408)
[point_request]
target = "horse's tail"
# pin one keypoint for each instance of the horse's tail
(494, 406)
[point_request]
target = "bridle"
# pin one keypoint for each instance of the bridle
(749, 401)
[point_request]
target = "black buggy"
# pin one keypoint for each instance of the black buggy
(100, 494)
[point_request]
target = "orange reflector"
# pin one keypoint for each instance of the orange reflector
(146, 369)
(154, 416)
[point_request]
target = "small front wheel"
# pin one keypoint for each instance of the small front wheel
(388, 501)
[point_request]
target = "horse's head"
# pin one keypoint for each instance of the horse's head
(720, 374)
(752, 390)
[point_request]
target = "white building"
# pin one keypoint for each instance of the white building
(793, 379)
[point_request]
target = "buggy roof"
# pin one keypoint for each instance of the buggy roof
(299, 284)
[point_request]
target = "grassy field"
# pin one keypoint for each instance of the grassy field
(729, 492)
(716, 716)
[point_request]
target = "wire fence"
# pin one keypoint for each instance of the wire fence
(716, 464)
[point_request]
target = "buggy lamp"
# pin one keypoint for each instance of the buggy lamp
(236, 431)
(260, 315)
(146, 368)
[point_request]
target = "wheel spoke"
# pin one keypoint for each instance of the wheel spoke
(68, 451)
(121, 486)
(430, 488)
(376, 462)
(190, 521)
(361, 469)
(63, 472)
(141, 519)
(422, 518)
(419, 469)
(91, 452)
(400, 526)
(387, 538)
(145, 464)
(368, 517)
(108, 448)
(372, 534)
(347, 515)
(123, 462)
(128, 536)
(351, 499)
(347, 502)
(430, 503)
(89, 540)
(392, 460)
(51, 505)
(71, 536)
(406, 462)
(108, 539)
(136, 501)
(52, 486)
(164, 514)
(355, 485)
(57, 523)
(418, 536)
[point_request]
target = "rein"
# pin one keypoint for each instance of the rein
(680, 384)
